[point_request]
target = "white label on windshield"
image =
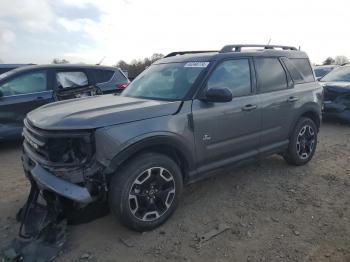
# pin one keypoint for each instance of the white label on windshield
(196, 64)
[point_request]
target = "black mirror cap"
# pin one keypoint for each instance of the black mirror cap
(218, 95)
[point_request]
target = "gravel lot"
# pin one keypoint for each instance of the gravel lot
(274, 212)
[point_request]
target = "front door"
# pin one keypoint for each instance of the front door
(228, 132)
(20, 95)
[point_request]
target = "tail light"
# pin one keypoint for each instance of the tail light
(122, 86)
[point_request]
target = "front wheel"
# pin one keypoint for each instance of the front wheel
(302, 143)
(146, 191)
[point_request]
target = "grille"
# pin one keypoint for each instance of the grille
(57, 148)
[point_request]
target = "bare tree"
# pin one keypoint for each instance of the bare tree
(329, 61)
(137, 66)
(341, 59)
(59, 61)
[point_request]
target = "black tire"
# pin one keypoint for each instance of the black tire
(128, 199)
(294, 154)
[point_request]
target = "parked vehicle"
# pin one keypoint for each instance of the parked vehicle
(26, 88)
(187, 115)
(8, 67)
(336, 86)
(321, 71)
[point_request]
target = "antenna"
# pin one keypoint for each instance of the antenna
(99, 63)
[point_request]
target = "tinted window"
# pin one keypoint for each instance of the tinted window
(320, 72)
(102, 76)
(294, 72)
(71, 79)
(121, 78)
(271, 74)
(232, 74)
(25, 84)
(304, 67)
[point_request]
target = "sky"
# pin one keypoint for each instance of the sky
(36, 31)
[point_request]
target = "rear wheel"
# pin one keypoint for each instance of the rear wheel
(146, 191)
(302, 143)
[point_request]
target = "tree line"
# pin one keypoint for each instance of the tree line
(338, 60)
(136, 66)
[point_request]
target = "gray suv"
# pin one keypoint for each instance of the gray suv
(187, 115)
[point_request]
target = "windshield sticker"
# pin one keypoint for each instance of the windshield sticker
(196, 64)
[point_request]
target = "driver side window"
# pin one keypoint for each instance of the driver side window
(234, 75)
(25, 84)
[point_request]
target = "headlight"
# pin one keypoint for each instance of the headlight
(69, 150)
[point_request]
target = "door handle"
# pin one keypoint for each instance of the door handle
(293, 99)
(249, 107)
(39, 98)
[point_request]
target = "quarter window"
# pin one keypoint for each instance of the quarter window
(271, 74)
(71, 79)
(103, 75)
(304, 67)
(234, 75)
(25, 84)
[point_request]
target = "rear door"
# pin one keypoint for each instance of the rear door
(277, 98)
(228, 132)
(21, 94)
(72, 83)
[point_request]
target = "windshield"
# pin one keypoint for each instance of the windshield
(170, 81)
(319, 72)
(338, 75)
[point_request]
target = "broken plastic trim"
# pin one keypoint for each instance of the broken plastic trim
(42, 231)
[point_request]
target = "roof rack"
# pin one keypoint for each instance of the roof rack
(189, 52)
(238, 48)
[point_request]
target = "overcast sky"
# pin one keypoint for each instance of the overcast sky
(37, 31)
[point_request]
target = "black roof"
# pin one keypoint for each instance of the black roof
(13, 65)
(63, 66)
(233, 51)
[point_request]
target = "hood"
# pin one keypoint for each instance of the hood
(98, 111)
(345, 86)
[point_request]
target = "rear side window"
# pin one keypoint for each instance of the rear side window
(304, 67)
(232, 74)
(102, 76)
(271, 74)
(294, 72)
(120, 77)
(71, 79)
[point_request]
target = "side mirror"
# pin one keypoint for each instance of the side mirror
(219, 95)
(1, 94)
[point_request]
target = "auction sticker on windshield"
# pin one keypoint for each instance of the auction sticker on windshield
(196, 64)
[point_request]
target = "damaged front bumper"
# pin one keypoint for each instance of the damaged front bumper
(47, 181)
(63, 163)
(337, 110)
(336, 103)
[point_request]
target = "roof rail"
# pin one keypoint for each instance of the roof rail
(189, 52)
(238, 48)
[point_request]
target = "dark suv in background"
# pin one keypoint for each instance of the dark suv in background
(187, 115)
(336, 85)
(8, 67)
(26, 88)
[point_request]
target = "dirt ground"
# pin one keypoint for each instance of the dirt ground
(275, 212)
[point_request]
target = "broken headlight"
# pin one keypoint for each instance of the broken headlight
(71, 150)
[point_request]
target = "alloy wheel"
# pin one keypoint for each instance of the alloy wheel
(152, 194)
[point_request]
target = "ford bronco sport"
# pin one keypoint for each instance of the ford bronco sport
(187, 115)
